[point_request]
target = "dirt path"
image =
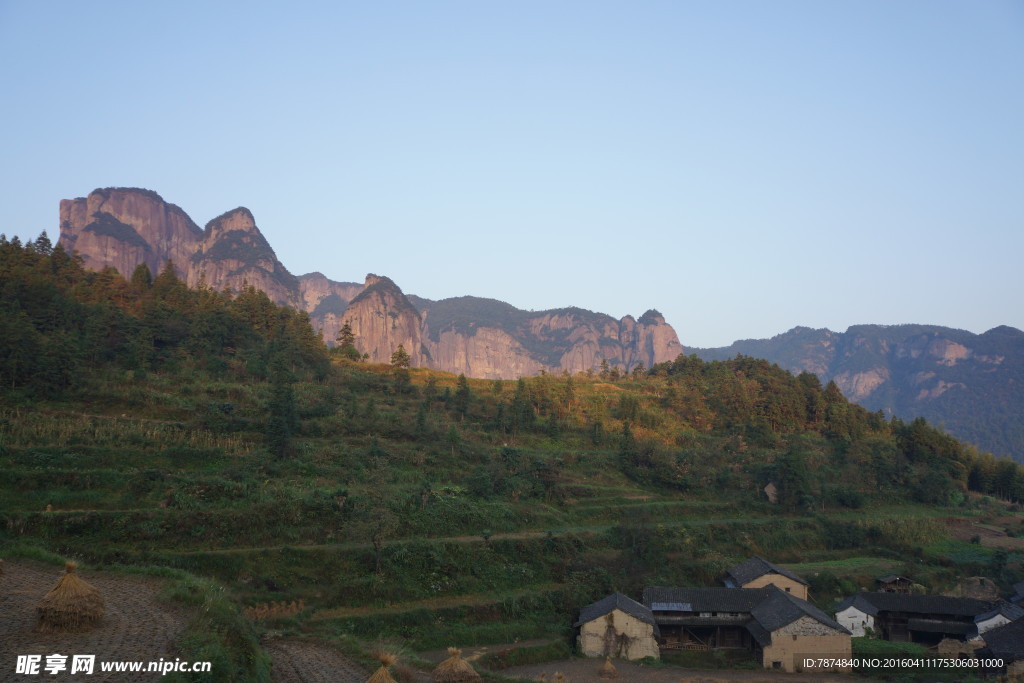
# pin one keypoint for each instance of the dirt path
(136, 627)
(475, 652)
(296, 661)
(586, 671)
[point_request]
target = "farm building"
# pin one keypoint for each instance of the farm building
(1003, 613)
(703, 618)
(1006, 643)
(925, 619)
(617, 626)
(788, 629)
(758, 573)
(893, 583)
(773, 625)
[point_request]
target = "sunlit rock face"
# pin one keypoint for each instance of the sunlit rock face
(382, 319)
(123, 227)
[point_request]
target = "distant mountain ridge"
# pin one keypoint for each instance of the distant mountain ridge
(485, 338)
(973, 384)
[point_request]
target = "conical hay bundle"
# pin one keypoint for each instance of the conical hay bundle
(455, 669)
(382, 675)
(72, 605)
(607, 669)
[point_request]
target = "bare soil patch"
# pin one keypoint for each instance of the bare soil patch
(296, 661)
(135, 627)
(586, 671)
(989, 535)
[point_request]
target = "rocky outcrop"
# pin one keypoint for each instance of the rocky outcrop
(235, 254)
(491, 339)
(326, 300)
(123, 227)
(489, 353)
(382, 319)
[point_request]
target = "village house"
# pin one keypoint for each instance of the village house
(789, 630)
(925, 619)
(703, 618)
(1003, 613)
(893, 583)
(758, 573)
(778, 628)
(618, 626)
(763, 610)
(1006, 643)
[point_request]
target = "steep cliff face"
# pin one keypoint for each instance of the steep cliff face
(123, 227)
(326, 300)
(382, 319)
(491, 339)
(489, 353)
(234, 253)
(972, 384)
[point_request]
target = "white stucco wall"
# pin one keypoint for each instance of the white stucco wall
(855, 621)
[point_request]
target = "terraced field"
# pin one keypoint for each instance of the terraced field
(396, 518)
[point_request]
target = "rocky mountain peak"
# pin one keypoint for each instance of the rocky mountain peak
(122, 227)
(240, 218)
(652, 317)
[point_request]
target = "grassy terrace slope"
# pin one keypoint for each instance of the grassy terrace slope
(212, 437)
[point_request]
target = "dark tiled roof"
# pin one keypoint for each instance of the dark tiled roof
(756, 567)
(859, 602)
(763, 638)
(617, 601)
(939, 626)
(1008, 610)
(1019, 587)
(706, 599)
(780, 609)
(1006, 641)
(920, 604)
(890, 578)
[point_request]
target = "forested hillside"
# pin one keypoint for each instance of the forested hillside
(148, 424)
(970, 384)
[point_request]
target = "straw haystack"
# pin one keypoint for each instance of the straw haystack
(382, 675)
(72, 605)
(607, 669)
(455, 669)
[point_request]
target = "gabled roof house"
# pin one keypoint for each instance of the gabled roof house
(618, 626)
(758, 572)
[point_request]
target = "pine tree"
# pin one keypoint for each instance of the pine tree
(142, 278)
(347, 343)
(400, 359)
(463, 395)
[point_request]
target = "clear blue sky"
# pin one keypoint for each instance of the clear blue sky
(744, 167)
